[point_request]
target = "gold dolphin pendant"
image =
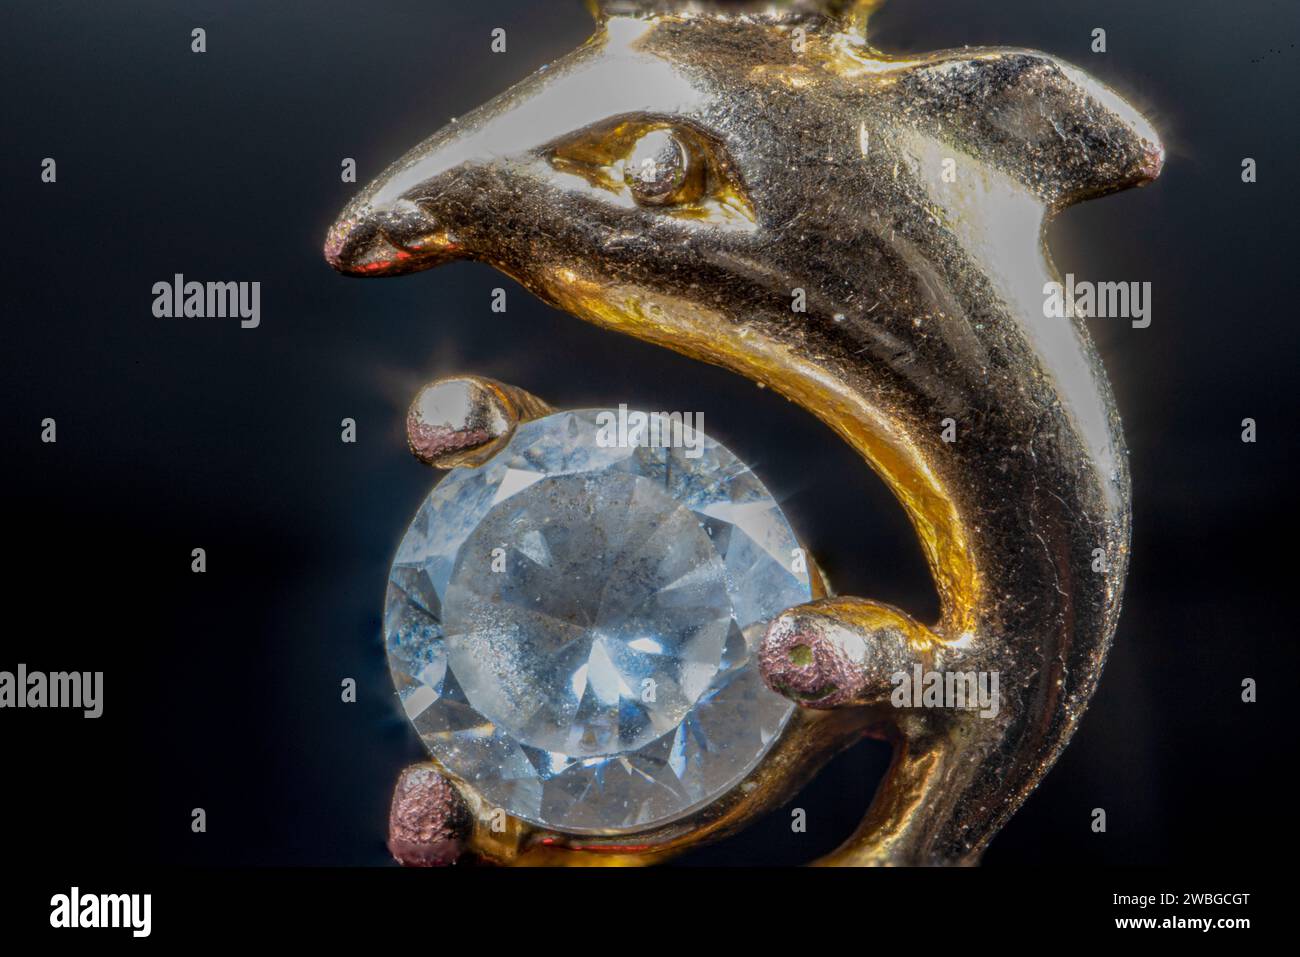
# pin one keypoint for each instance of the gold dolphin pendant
(902, 203)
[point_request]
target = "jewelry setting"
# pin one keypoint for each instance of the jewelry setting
(753, 185)
(574, 629)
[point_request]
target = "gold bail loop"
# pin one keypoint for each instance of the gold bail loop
(852, 14)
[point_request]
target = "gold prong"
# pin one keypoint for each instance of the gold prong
(429, 822)
(835, 652)
(462, 421)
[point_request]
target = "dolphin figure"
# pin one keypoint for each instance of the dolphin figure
(753, 185)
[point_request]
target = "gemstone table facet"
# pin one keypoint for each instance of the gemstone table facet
(573, 628)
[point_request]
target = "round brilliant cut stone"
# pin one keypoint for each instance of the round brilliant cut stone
(573, 628)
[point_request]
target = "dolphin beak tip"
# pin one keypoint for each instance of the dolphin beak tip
(335, 243)
(1154, 161)
(361, 243)
(343, 242)
(354, 249)
(1150, 149)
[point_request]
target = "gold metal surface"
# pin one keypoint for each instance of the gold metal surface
(903, 202)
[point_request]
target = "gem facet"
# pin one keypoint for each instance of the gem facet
(573, 628)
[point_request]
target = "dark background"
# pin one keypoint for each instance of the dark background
(222, 690)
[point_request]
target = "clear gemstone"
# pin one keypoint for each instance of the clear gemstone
(572, 628)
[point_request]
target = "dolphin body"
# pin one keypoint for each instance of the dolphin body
(902, 204)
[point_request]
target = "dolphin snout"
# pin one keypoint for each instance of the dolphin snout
(384, 241)
(1147, 150)
(1153, 160)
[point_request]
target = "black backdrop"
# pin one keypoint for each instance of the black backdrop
(222, 690)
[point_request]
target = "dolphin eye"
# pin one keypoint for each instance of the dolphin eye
(661, 170)
(654, 164)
